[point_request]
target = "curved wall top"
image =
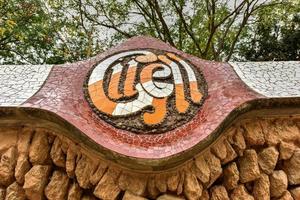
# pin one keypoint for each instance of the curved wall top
(20, 82)
(146, 100)
(271, 79)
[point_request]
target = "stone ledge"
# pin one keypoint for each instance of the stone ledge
(50, 120)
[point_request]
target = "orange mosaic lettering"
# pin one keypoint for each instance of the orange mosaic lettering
(143, 86)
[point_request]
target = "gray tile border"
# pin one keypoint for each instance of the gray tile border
(271, 79)
(20, 82)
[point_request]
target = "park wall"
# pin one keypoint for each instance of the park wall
(255, 158)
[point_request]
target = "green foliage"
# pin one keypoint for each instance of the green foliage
(24, 32)
(275, 35)
(31, 34)
(59, 31)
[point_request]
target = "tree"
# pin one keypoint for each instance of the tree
(29, 34)
(24, 34)
(78, 29)
(209, 29)
(275, 35)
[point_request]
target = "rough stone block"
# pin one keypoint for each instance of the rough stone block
(134, 183)
(24, 140)
(22, 167)
(292, 168)
(84, 170)
(7, 166)
(248, 166)
(267, 159)
(231, 176)
(192, 188)
(56, 153)
(261, 188)
(202, 171)
(15, 192)
(35, 181)
(253, 134)
(215, 168)
(107, 187)
(8, 139)
(240, 193)
(58, 186)
(278, 183)
(74, 192)
(40, 148)
(129, 196)
(173, 180)
(219, 193)
(286, 150)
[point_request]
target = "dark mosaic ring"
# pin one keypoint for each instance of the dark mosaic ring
(146, 91)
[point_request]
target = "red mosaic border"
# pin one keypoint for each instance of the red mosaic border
(63, 95)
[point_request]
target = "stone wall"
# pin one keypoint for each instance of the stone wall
(254, 159)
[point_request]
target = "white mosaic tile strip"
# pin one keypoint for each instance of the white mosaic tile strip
(165, 89)
(19, 82)
(100, 69)
(142, 101)
(272, 79)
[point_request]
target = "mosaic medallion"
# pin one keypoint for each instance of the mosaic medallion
(145, 91)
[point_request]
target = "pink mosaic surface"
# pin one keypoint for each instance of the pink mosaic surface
(63, 94)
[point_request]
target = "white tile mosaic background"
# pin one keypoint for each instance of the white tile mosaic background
(272, 79)
(143, 100)
(100, 69)
(20, 82)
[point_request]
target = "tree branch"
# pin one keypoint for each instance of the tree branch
(154, 4)
(112, 26)
(247, 14)
(211, 25)
(149, 18)
(179, 11)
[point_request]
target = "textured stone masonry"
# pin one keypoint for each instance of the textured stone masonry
(43, 164)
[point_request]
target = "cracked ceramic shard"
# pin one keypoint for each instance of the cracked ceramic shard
(272, 79)
(19, 82)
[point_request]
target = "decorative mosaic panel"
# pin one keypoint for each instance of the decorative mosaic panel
(145, 91)
(172, 99)
(20, 82)
(272, 79)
